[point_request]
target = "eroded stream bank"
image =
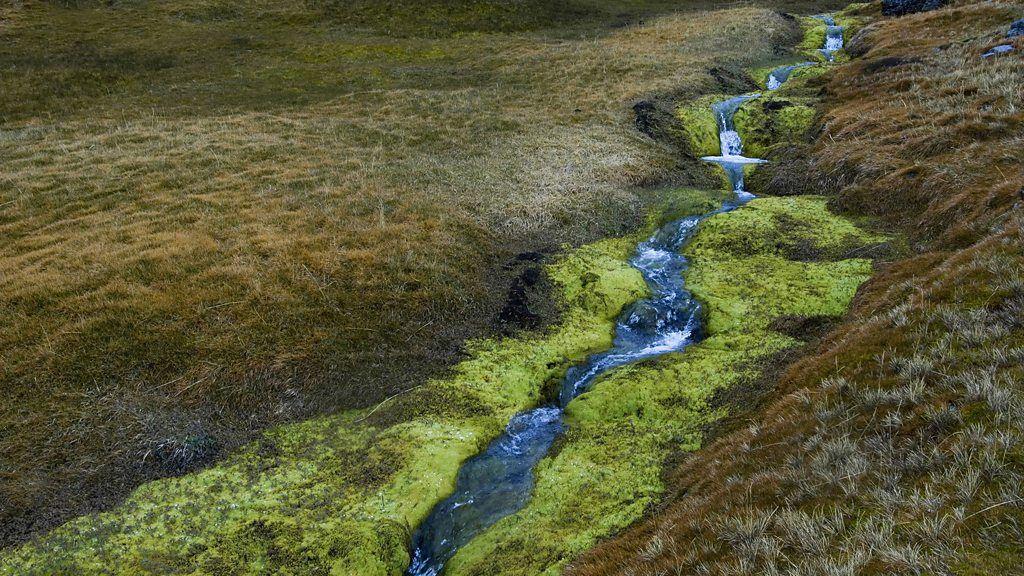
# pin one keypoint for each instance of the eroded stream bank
(344, 494)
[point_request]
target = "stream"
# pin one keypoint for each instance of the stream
(498, 482)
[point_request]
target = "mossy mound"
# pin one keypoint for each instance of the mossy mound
(751, 266)
(815, 31)
(797, 228)
(606, 472)
(701, 125)
(339, 495)
(773, 121)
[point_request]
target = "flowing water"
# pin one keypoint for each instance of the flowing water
(732, 159)
(498, 482)
(833, 38)
(779, 76)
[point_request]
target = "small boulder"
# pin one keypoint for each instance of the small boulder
(1016, 29)
(1001, 49)
(904, 7)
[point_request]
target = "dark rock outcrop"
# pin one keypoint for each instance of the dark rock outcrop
(904, 7)
(880, 64)
(1016, 29)
(517, 312)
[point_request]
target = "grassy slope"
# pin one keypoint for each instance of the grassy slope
(895, 446)
(217, 216)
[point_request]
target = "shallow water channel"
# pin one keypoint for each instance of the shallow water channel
(498, 482)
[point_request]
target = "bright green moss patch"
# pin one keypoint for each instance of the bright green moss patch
(606, 472)
(758, 289)
(701, 125)
(608, 469)
(676, 203)
(796, 227)
(774, 257)
(339, 495)
(771, 121)
(815, 31)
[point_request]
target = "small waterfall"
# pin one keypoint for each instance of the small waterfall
(732, 159)
(731, 143)
(779, 76)
(833, 38)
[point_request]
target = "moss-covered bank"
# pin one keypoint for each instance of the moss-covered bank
(750, 268)
(339, 495)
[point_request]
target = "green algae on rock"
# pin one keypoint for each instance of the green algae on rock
(338, 495)
(606, 471)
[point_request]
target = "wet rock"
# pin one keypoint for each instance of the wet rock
(804, 328)
(860, 44)
(775, 105)
(1016, 29)
(998, 50)
(646, 117)
(904, 7)
(524, 257)
(732, 81)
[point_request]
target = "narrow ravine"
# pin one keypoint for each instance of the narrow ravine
(498, 482)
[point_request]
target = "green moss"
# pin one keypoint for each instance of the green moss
(745, 272)
(339, 494)
(815, 31)
(606, 472)
(795, 227)
(701, 125)
(675, 203)
(771, 121)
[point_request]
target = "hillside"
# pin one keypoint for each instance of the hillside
(218, 216)
(381, 288)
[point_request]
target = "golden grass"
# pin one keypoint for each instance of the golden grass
(219, 215)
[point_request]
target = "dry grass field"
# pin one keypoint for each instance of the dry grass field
(219, 215)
